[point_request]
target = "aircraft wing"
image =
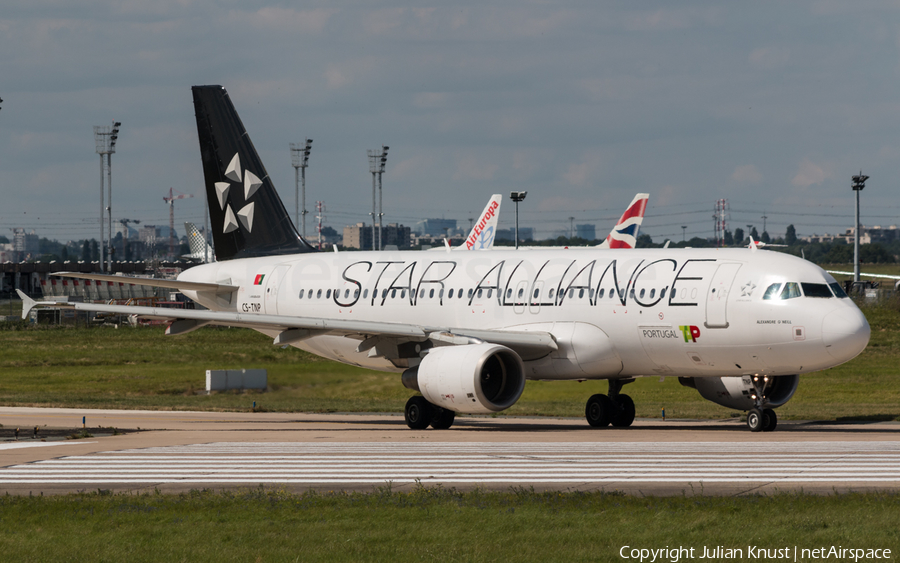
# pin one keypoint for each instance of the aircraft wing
(154, 282)
(527, 344)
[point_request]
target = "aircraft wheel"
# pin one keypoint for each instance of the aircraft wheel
(418, 413)
(442, 419)
(770, 420)
(756, 420)
(599, 411)
(625, 416)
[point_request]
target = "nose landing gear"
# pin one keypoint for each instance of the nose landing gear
(761, 419)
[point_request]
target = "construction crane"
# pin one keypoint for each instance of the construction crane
(171, 201)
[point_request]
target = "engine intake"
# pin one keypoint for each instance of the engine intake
(737, 392)
(472, 378)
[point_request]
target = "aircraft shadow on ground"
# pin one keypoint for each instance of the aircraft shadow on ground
(856, 425)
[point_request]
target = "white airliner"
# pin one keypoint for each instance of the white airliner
(467, 329)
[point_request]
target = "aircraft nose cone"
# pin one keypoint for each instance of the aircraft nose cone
(845, 333)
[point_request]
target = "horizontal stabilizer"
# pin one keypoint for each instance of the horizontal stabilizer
(154, 282)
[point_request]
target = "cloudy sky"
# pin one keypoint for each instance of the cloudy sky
(771, 105)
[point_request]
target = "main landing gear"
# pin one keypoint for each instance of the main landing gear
(615, 408)
(420, 414)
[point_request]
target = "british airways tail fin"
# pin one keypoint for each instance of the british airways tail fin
(624, 234)
(248, 218)
(482, 235)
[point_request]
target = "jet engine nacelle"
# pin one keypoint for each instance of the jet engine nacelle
(471, 378)
(737, 392)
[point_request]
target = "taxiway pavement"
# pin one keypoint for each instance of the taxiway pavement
(177, 451)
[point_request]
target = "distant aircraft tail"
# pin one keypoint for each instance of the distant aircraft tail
(248, 218)
(200, 249)
(625, 233)
(482, 235)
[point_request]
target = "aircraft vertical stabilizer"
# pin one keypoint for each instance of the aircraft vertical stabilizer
(483, 232)
(624, 234)
(200, 249)
(248, 217)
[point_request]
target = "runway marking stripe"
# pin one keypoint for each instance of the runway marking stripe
(458, 467)
(384, 480)
(750, 448)
(511, 463)
(698, 457)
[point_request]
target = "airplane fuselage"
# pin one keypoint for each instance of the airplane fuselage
(614, 314)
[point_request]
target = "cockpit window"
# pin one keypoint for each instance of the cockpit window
(838, 290)
(772, 291)
(791, 290)
(816, 290)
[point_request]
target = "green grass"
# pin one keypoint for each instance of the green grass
(429, 524)
(142, 368)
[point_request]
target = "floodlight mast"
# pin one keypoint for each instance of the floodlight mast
(100, 142)
(300, 160)
(859, 183)
(377, 162)
(517, 197)
(384, 151)
(105, 140)
(373, 168)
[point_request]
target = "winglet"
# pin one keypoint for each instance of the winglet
(753, 245)
(27, 303)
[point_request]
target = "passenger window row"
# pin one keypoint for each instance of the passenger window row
(481, 293)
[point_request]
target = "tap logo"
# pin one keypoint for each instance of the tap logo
(258, 279)
(690, 332)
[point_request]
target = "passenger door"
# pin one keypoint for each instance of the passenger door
(717, 295)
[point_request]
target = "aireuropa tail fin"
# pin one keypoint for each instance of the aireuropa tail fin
(248, 218)
(624, 234)
(482, 235)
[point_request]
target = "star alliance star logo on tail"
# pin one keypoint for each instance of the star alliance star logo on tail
(251, 184)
